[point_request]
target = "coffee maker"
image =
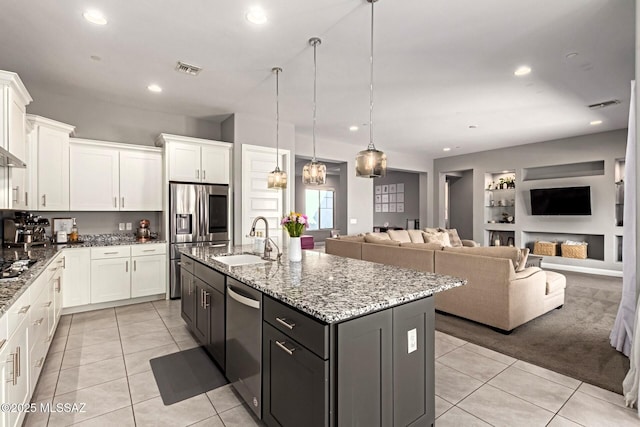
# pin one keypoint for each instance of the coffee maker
(25, 229)
(144, 232)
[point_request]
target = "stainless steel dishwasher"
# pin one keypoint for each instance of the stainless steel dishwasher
(244, 342)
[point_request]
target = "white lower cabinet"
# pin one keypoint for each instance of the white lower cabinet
(110, 279)
(148, 276)
(77, 277)
(17, 372)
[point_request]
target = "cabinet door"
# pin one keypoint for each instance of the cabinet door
(53, 170)
(215, 164)
(110, 279)
(94, 181)
(18, 147)
(77, 277)
(140, 181)
(201, 315)
(149, 276)
(16, 372)
(187, 297)
(365, 389)
(217, 334)
(295, 389)
(184, 162)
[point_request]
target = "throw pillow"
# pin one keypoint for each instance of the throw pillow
(399, 235)
(441, 238)
(431, 230)
(522, 263)
(455, 240)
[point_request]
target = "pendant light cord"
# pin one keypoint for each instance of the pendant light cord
(315, 71)
(371, 146)
(277, 118)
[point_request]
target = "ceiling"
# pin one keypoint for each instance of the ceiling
(441, 66)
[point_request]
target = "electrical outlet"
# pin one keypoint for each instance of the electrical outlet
(412, 340)
(353, 220)
(121, 226)
(128, 226)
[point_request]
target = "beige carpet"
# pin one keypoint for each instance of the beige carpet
(573, 341)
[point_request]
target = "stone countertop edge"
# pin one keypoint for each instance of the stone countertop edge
(12, 289)
(329, 288)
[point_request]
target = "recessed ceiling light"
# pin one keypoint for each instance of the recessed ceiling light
(505, 171)
(446, 149)
(353, 128)
(522, 71)
(95, 57)
(473, 126)
(256, 16)
(95, 17)
(571, 55)
(595, 122)
(154, 88)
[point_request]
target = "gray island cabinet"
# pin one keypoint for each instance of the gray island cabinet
(343, 342)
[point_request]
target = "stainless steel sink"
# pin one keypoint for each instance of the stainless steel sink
(242, 259)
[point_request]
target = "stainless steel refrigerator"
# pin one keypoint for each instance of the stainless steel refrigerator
(198, 216)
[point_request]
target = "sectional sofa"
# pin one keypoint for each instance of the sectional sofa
(500, 292)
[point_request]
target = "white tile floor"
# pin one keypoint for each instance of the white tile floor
(101, 358)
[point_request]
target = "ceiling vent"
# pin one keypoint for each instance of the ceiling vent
(604, 104)
(192, 70)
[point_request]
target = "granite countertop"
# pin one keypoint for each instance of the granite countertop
(328, 287)
(11, 289)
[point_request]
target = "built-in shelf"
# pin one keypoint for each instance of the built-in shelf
(595, 242)
(619, 248)
(499, 202)
(564, 171)
(501, 237)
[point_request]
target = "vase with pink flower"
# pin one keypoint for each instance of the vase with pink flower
(295, 223)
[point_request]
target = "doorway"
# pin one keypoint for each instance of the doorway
(458, 202)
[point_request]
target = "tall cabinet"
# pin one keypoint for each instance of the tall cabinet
(48, 161)
(14, 99)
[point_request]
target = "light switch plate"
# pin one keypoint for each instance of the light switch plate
(128, 226)
(121, 226)
(353, 221)
(412, 340)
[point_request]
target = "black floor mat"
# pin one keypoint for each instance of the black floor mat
(185, 374)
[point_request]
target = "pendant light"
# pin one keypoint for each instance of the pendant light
(314, 173)
(277, 179)
(371, 163)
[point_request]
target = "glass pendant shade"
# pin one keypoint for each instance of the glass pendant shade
(277, 179)
(371, 163)
(314, 173)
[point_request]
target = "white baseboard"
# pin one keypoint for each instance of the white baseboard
(110, 304)
(578, 269)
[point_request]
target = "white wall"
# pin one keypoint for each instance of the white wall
(360, 190)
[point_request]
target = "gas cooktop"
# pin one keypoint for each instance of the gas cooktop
(11, 269)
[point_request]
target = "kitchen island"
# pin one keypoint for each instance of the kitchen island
(341, 342)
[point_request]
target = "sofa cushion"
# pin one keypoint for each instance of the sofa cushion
(555, 282)
(399, 235)
(370, 239)
(442, 238)
(427, 246)
(352, 238)
(522, 262)
(383, 236)
(508, 252)
(416, 236)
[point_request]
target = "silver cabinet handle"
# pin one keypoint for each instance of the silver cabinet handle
(48, 304)
(283, 321)
(12, 359)
(59, 285)
(64, 262)
(115, 202)
(17, 192)
(18, 361)
(111, 253)
(242, 299)
(149, 250)
(38, 322)
(204, 174)
(197, 173)
(24, 309)
(134, 265)
(2, 343)
(284, 347)
(126, 266)
(205, 294)
(122, 205)
(187, 262)
(26, 198)
(44, 200)
(40, 361)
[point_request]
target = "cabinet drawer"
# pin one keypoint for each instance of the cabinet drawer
(111, 252)
(18, 312)
(148, 249)
(307, 331)
(187, 264)
(209, 276)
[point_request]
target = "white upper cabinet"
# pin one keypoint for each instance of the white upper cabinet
(49, 169)
(14, 99)
(196, 160)
(114, 177)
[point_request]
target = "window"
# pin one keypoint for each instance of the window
(319, 209)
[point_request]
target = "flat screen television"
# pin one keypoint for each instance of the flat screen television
(561, 201)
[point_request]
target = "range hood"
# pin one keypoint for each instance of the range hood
(9, 160)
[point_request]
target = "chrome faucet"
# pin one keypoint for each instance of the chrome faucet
(268, 240)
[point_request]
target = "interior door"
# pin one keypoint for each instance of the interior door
(257, 199)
